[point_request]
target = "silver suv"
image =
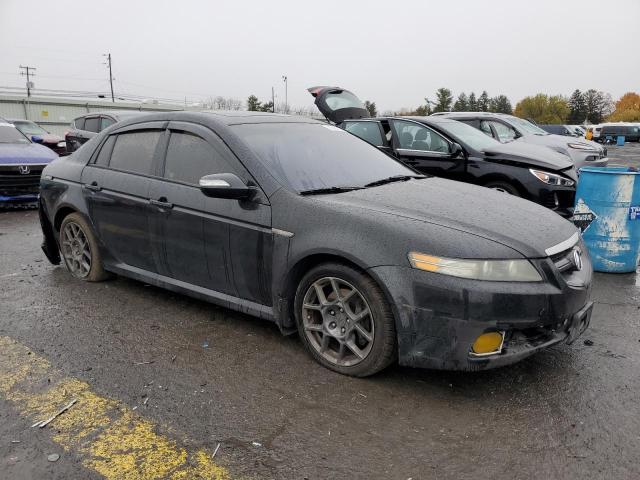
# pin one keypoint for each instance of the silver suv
(507, 128)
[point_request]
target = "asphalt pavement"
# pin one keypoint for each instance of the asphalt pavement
(171, 387)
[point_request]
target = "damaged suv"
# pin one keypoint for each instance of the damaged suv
(303, 224)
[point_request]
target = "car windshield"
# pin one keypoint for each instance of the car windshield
(310, 156)
(469, 135)
(526, 125)
(10, 134)
(30, 128)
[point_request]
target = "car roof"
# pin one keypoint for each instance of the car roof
(430, 119)
(217, 118)
(469, 114)
(113, 113)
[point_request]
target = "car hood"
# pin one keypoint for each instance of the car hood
(530, 154)
(28, 153)
(559, 142)
(521, 225)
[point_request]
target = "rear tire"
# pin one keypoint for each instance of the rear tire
(503, 187)
(345, 321)
(79, 249)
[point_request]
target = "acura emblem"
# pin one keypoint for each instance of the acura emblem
(577, 258)
(24, 169)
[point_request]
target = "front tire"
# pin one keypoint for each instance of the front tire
(79, 249)
(344, 320)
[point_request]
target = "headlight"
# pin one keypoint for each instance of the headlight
(552, 178)
(494, 270)
(582, 146)
(61, 144)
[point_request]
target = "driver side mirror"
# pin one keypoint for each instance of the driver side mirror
(225, 185)
(456, 150)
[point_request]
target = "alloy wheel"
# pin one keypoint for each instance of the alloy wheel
(76, 250)
(338, 321)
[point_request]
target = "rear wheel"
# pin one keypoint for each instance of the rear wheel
(503, 187)
(79, 249)
(344, 320)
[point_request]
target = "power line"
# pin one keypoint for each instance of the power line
(28, 71)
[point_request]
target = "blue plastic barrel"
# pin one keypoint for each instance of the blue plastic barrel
(620, 141)
(607, 211)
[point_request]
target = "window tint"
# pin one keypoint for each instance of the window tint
(105, 152)
(134, 151)
(79, 123)
(105, 122)
(505, 133)
(91, 124)
(305, 156)
(418, 137)
(189, 158)
(369, 131)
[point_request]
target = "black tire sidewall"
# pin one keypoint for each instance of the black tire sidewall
(510, 189)
(97, 272)
(384, 342)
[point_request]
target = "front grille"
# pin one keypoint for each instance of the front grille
(13, 183)
(560, 199)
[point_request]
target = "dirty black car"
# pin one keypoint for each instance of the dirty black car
(300, 223)
(450, 149)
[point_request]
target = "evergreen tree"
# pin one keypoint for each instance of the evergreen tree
(483, 102)
(500, 104)
(578, 108)
(473, 103)
(253, 104)
(444, 99)
(462, 103)
(371, 108)
(267, 107)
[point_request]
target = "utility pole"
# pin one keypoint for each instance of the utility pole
(28, 71)
(273, 100)
(108, 55)
(286, 96)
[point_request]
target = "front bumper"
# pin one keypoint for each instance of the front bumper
(438, 317)
(11, 199)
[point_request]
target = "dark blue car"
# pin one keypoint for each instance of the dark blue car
(21, 164)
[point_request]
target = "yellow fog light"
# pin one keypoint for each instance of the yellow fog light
(488, 343)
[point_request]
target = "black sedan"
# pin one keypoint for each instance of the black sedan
(446, 148)
(303, 224)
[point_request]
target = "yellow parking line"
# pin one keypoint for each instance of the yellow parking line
(109, 437)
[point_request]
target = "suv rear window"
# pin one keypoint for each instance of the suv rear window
(106, 122)
(133, 151)
(79, 123)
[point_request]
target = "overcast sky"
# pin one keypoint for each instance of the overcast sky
(393, 53)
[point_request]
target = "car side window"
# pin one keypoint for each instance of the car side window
(105, 152)
(91, 124)
(368, 131)
(79, 123)
(412, 136)
(133, 151)
(505, 133)
(106, 122)
(190, 157)
(486, 128)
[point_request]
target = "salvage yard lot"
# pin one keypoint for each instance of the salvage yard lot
(171, 378)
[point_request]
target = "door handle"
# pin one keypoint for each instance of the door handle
(161, 203)
(93, 186)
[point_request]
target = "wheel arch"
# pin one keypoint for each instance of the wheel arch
(306, 263)
(500, 177)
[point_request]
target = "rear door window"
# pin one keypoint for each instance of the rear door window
(79, 123)
(505, 133)
(134, 151)
(368, 131)
(412, 136)
(105, 152)
(106, 122)
(92, 124)
(190, 157)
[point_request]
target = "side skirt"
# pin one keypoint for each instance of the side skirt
(195, 291)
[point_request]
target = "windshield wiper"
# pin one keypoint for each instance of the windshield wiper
(395, 178)
(320, 191)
